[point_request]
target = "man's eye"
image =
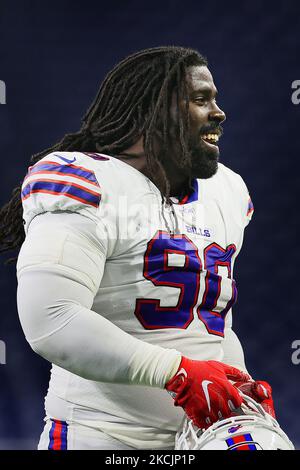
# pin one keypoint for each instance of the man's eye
(200, 100)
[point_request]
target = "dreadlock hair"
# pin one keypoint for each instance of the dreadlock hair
(134, 100)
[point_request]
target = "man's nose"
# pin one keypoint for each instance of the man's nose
(216, 114)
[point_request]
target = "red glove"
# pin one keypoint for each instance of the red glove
(203, 390)
(261, 392)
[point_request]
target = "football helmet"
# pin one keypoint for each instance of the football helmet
(251, 428)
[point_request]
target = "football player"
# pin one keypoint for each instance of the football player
(125, 277)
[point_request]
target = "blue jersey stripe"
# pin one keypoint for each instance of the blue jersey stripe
(58, 435)
(51, 437)
(63, 189)
(65, 170)
(64, 436)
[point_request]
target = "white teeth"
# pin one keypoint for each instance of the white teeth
(213, 137)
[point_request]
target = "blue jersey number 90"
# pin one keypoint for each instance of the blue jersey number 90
(187, 276)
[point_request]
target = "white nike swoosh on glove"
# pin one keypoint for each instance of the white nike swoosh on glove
(182, 371)
(205, 384)
(264, 390)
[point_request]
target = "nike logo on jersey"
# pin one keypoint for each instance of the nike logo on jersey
(205, 384)
(66, 160)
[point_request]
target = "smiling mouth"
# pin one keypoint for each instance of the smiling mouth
(211, 139)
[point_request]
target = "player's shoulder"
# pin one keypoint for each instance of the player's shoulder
(234, 184)
(74, 163)
(62, 173)
(61, 181)
(231, 178)
(77, 182)
(78, 160)
(86, 167)
(224, 184)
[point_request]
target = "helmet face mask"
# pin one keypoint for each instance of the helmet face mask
(251, 429)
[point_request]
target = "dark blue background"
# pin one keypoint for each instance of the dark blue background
(53, 55)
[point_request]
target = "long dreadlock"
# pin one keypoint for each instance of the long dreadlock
(134, 100)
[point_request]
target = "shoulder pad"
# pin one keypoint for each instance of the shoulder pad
(60, 182)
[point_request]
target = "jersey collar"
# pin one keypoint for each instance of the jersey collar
(190, 197)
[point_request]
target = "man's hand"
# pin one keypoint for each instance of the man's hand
(203, 390)
(261, 392)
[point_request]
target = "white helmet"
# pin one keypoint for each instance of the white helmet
(251, 429)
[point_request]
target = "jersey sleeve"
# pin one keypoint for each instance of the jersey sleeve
(59, 269)
(247, 207)
(234, 193)
(62, 181)
(250, 210)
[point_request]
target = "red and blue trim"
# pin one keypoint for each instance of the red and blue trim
(62, 188)
(193, 195)
(58, 435)
(241, 442)
(250, 207)
(53, 168)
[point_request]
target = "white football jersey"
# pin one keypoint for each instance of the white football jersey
(168, 278)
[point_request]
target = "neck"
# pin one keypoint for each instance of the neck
(135, 157)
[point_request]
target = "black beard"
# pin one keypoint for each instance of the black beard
(204, 162)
